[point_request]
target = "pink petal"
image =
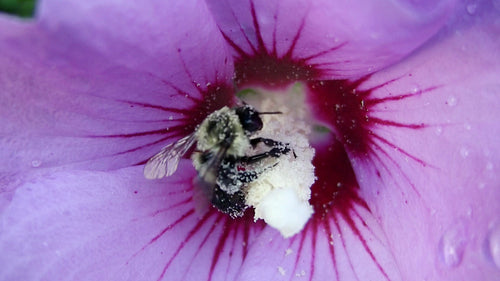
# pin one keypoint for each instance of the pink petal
(67, 101)
(329, 249)
(413, 225)
(84, 225)
(324, 39)
(434, 185)
(142, 36)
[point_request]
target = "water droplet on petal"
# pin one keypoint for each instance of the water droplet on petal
(471, 8)
(489, 166)
(36, 163)
(467, 126)
(469, 211)
(452, 101)
(494, 244)
(464, 152)
(439, 131)
(452, 245)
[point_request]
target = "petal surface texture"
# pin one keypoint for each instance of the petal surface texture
(338, 39)
(432, 177)
(81, 92)
(75, 94)
(88, 225)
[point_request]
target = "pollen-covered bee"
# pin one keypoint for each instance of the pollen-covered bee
(222, 141)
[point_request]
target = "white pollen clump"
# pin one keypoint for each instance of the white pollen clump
(281, 270)
(281, 194)
(282, 209)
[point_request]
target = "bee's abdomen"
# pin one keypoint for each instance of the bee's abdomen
(232, 204)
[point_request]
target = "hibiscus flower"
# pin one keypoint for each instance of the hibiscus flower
(407, 148)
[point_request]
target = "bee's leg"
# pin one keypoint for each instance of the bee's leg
(250, 176)
(231, 179)
(278, 149)
(274, 152)
(247, 176)
(269, 142)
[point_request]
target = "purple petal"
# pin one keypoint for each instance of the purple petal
(116, 226)
(66, 100)
(323, 39)
(327, 249)
(430, 174)
(410, 143)
(142, 36)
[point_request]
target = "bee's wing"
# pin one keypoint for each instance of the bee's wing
(165, 162)
(209, 171)
(206, 181)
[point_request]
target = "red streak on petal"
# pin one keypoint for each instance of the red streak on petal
(331, 248)
(195, 229)
(262, 65)
(343, 105)
(314, 234)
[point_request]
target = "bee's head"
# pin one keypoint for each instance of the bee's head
(249, 118)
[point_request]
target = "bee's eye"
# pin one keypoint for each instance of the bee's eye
(249, 118)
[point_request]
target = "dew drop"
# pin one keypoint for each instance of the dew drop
(36, 163)
(489, 166)
(439, 131)
(467, 126)
(494, 244)
(452, 101)
(471, 8)
(452, 245)
(415, 90)
(464, 152)
(469, 211)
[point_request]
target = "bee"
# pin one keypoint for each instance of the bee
(224, 170)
